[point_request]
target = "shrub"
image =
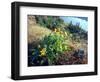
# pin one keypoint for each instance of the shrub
(77, 32)
(50, 22)
(55, 44)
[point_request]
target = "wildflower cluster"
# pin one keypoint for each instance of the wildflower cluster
(53, 45)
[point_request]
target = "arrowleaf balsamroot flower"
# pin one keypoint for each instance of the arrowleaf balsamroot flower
(43, 52)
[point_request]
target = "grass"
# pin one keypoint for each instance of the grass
(36, 33)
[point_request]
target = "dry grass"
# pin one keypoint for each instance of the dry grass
(36, 33)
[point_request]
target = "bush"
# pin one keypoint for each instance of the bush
(50, 22)
(77, 32)
(55, 44)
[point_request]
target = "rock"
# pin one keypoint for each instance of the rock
(81, 53)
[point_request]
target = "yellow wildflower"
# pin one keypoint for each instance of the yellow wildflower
(55, 30)
(61, 32)
(43, 52)
(65, 34)
(58, 33)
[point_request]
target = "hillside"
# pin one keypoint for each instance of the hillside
(52, 42)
